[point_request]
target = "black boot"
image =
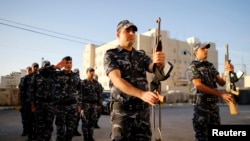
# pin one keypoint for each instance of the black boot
(76, 133)
(85, 137)
(25, 133)
(96, 125)
(90, 137)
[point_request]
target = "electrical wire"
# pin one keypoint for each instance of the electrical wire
(51, 31)
(34, 31)
(42, 33)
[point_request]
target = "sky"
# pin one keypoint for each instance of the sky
(51, 29)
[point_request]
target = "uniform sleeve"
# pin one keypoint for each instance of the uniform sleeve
(23, 89)
(80, 94)
(33, 89)
(109, 62)
(100, 94)
(49, 70)
(20, 85)
(193, 72)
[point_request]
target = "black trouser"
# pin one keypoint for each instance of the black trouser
(32, 125)
(204, 115)
(25, 110)
(77, 122)
(130, 122)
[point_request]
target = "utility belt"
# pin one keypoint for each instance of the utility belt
(90, 102)
(129, 107)
(199, 99)
(42, 100)
(67, 102)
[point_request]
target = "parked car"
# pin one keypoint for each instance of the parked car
(106, 102)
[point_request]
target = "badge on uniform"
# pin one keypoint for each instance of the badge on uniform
(107, 61)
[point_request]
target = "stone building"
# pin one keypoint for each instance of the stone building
(179, 53)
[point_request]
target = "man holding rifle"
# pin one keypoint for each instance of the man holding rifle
(205, 77)
(130, 96)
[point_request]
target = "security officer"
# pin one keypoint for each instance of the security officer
(91, 101)
(76, 132)
(23, 97)
(32, 112)
(95, 77)
(205, 77)
(42, 89)
(130, 96)
(67, 85)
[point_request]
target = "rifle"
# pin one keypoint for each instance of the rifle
(231, 78)
(155, 85)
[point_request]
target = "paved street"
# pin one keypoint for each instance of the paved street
(176, 123)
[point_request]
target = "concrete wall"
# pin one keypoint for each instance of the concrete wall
(8, 96)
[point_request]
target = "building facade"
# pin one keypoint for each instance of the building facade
(179, 53)
(12, 80)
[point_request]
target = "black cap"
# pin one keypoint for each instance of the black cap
(76, 70)
(67, 58)
(90, 69)
(35, 65)
(28, 68)
(46, 63)
(125, 24)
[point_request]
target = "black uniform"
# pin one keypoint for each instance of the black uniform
(130, 115)
(206, 110)
(27, 101)
(25, 104)
(100, 109)
(66, 98)
(43, 89)
(91, 98)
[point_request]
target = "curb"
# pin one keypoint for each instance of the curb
(8, 108)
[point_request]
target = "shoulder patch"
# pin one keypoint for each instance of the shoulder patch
(112, 49)
(141, 51)
(107, 61)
